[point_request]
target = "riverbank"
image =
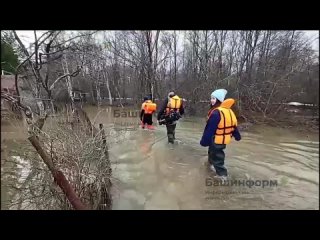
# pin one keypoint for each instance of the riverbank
(296, 122)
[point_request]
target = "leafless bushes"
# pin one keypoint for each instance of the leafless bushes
(84, 161)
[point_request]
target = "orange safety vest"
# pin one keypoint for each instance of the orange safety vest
(149, 107)
(227, 123)
(174, 104)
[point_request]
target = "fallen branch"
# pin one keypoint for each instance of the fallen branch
(59, 177)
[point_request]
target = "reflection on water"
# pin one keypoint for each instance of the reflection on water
(149, 174)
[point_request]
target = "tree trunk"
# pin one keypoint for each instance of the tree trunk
(68, 80)
(108, 87)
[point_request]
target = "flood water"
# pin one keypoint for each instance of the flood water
(148, 173)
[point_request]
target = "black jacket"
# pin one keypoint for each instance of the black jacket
(162, 110)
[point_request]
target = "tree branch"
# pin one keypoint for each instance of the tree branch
(36, 48)
(59, 177)
(75, 73)
(83, 35)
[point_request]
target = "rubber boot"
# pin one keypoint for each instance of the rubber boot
(150, 127)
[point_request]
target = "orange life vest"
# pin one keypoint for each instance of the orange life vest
(149, 107)
(227, 123)
(174, 104)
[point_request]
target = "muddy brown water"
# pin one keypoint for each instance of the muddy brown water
(148, 173)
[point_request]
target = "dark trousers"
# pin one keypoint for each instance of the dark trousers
(216, 158)
(171, 132)
(147, 119)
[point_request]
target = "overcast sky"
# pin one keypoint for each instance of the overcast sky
(27, 37)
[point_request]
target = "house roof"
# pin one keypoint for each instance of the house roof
(8, 81)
